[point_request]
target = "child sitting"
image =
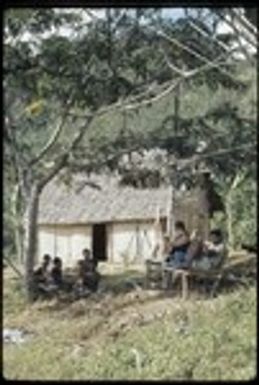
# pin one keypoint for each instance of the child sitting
(213, 252)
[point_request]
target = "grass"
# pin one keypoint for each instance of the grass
(130, 336)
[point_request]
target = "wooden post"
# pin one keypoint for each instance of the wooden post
(169, 214)
(173, 213)
(185, 288)
(173, 177)
(138, 245)
(203, 203)
(157, 225)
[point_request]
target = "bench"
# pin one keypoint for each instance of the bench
(157, 273)
(216, 275)
(185, 275)
(153, 274)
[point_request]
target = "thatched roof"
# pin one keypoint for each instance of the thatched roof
(104, 201)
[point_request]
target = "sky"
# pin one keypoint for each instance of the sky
(171, 13)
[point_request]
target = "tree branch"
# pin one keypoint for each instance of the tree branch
(10, 263)
(16, 157)
(191, 51)
(124, 106)
(62, 159)
(52, 140)
(239, 32)
(213, 38)
(213, 64)
(241, 45)
(245, 23)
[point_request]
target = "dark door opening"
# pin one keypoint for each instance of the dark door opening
(99, 242)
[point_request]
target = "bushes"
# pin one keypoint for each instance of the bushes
(243, 212)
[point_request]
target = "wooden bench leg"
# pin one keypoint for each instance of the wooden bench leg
(185, 288)
(146, 283)
(215, 285)
(168, 279)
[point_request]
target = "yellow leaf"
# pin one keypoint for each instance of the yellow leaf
(35, 108)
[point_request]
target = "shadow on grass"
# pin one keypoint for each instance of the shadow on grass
(118, 290)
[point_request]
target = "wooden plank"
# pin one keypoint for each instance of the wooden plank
(238, 261)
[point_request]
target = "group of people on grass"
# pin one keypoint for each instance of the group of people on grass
(48, 277)
(183, 252)
(187, 251)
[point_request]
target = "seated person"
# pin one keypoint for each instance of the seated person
(42, 274)
(38, 276)
(56, 272)
(92, 278)
(213, 252)
(45, 265)
(90, 262)
(195, 248)
(87, 275)
(80, 283)
(162, 248)
(180, 246)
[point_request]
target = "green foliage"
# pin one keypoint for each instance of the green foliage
(244, 218)
(103, 62)
(244, 213)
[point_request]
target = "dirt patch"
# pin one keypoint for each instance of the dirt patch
(115, 318)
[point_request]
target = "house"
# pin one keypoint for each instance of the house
(119, 224)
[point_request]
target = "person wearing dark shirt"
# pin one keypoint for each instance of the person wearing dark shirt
(179, 246)
(91, 275)
(56, 272)
(42, 272)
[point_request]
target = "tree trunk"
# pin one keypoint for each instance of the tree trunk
(229, 217)
(30, 239)
(19, 242)
(18, 227)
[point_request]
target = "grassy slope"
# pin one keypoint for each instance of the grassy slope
(196, 339)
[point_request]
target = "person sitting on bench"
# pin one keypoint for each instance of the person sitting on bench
(180, 246)
(213, 252)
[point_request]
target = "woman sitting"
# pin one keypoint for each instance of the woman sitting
(181, 242)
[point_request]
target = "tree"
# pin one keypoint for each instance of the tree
(58, 90)
(43, 75)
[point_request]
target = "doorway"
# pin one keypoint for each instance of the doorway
(99, 241)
